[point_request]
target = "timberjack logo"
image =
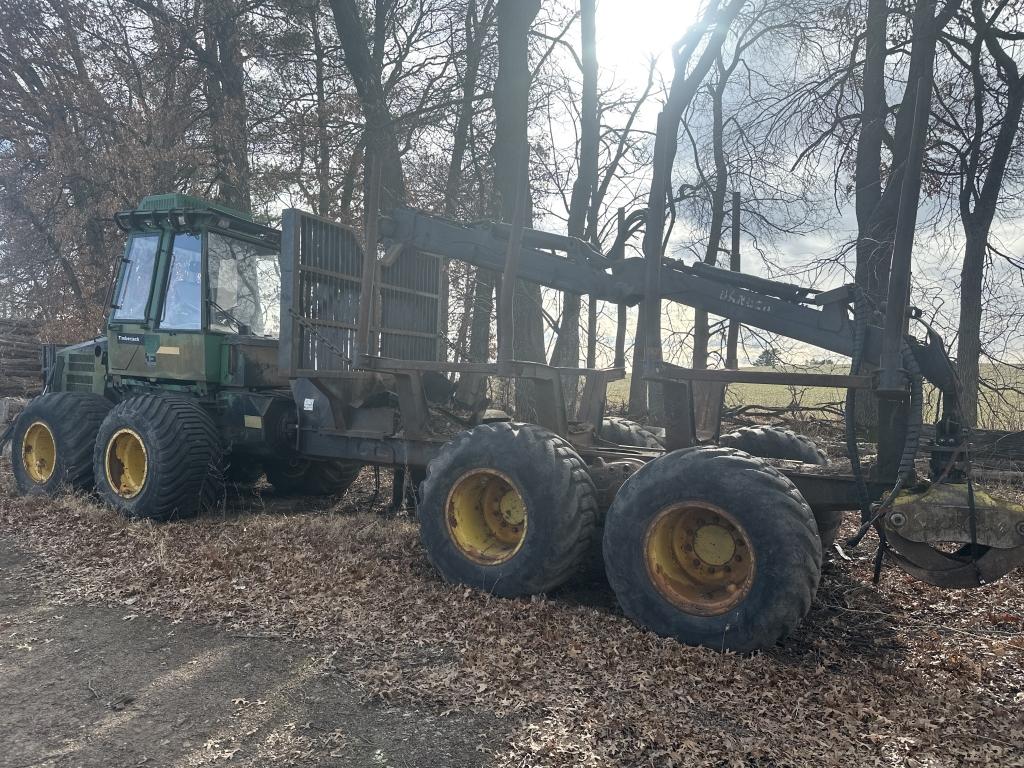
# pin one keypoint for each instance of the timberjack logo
(129, 338)
(741, 299)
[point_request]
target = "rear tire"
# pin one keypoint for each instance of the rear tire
(159, 457)
(51, 448)
(771, 442)
(508, 508)
(621, 431)
(302, 477)
(712, 547)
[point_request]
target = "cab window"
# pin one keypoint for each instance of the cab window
(183, 303)
(133, 293)
(245, 286)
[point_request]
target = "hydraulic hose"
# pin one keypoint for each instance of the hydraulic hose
(906, 473)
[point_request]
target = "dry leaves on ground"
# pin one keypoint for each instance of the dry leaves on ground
(901, 674)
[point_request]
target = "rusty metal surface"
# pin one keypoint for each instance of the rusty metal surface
(680, 424)
(952, 571)
(827, 492)
(919, 523)
(608, 477)
(943, 513)
(595, 394)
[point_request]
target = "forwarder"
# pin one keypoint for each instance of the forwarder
(234, 349)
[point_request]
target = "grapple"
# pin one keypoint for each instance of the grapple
(950, 535)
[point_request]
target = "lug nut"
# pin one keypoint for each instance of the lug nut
(897, 519)
(1020, 527)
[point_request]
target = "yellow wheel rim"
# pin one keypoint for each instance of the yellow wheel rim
(486, 516)
(39, 452)
(126, 463)
(699, 558)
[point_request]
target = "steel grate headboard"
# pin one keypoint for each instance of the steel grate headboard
(321, 271)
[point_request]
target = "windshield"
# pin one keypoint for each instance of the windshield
(245, 286)
(183, 303)
(138, 276)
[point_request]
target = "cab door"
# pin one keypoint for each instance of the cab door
(169, 343)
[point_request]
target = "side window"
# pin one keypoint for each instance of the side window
(183, 304)
(245, 286)
(133, 294)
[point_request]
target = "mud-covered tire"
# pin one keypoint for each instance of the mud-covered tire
(556, 492)
(303, 477)
(772, 442)
(772, 519)
(183, 458)
(69, 421)
(621, 431)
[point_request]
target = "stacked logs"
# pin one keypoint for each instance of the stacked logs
(21, 362)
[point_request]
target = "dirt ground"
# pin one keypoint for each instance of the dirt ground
(282, 633)
(88, 685)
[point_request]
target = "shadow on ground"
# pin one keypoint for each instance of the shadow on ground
(92, 686)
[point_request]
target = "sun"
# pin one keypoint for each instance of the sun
(631, 32)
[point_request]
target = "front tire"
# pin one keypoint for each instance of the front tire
(508, 508)
(713, 547)
(53, 440)
(159, 457)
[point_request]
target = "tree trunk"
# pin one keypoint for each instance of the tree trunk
(868, 179)
(471, 387)
(380, 136)
(968, 349)
(511, 161)
(324, 193)
(977, 223)
(567, 344)
(226, 98)
(877, 207)
(475, 31)
(684, 87)
(700, 317)
(868, 164)
(480, 302)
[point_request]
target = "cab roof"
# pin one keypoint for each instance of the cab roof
(187, 212)
(179, 202)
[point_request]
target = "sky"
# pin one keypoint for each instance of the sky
(630, 32)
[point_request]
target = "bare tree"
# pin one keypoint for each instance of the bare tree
(567, 344)
(214, 38)
(380, 137)
(690, 70)
(985, 130)
(511, 170)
